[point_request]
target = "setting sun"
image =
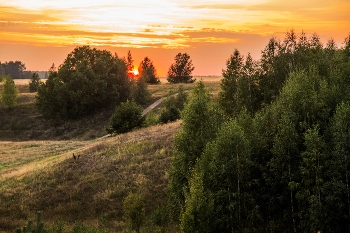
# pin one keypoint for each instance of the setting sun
(135, 71)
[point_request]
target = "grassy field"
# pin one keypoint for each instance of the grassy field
(37, 171)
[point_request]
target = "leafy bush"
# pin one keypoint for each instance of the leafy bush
(177, 100)
(169, 114)
(151, 119)
(127, 115)
(134, 211)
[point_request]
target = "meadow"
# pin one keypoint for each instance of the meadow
(37, 170)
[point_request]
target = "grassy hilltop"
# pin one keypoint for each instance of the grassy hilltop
(37, 170)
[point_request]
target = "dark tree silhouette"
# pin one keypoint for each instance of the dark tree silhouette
(181, 70)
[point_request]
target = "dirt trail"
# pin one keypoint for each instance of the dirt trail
(19, 171)
(152, 106)
(138, 135)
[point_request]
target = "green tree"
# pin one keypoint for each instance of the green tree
(176, 98)
(198, 212)
(127, 116)
(340, 170)
(181, 70)
(313, 170)
(9, 92)
(88, 80)
(169, 114)
(15, 69)
(139, 91)
(174, 104)
(239, 86)
(224, 172)
(134, 211)
(34, 82)
(201, 120)
(148, 72)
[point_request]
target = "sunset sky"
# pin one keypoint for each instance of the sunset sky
(42, 32)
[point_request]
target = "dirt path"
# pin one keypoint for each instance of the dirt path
(145, 111)
(17, 172)
(138, 135)
(152, 106)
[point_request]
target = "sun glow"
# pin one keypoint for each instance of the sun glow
(135, 72)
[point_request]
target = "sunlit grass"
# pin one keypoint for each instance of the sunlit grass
(92, 187)
(42, 175)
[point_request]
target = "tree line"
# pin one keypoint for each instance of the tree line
(14, 69)
(271, 154)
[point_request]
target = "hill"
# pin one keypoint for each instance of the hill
(43, 176)
(37, 170)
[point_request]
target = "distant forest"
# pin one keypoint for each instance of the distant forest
(17, 70)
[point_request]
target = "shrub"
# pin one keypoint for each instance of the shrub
(169, 114)
(9, 93)
(134, 211)
(151, 119)
(127, 115)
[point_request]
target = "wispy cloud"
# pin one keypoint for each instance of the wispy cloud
(210, 25)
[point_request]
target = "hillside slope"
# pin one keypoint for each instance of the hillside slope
(91, 189)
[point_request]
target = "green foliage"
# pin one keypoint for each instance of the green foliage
(34, 82)
(169, 114)
(198, 213)
(201, 120)
(148, 72)
(88, 80)
(161, 218)
(174, 104)
(127, 116)
(134, 211)
(177, 100)
(224, 172)
(181, 70)
(9, 93)
(139, 91)
(78, 227)
(29, 228)
(151, 119)
(280, 161)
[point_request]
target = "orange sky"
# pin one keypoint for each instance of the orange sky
(42, 32)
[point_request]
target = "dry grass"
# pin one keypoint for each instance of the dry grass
(92, 188)
(37, 171)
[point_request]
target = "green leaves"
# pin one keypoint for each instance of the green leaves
(134, 211)
(126, 117)
(9, 93)
(88, 80)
